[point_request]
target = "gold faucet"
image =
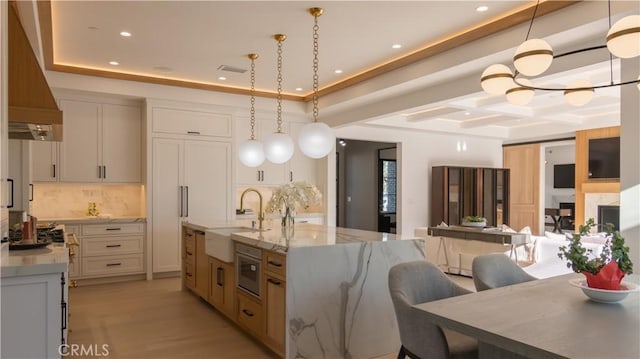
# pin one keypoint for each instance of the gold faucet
(260, 211)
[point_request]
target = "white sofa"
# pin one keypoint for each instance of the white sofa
(547, 263)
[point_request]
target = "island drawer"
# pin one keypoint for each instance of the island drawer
(249, 313)
(108, 265)
(98, 246)
(275, 263)
(109, 229)
(190, 273)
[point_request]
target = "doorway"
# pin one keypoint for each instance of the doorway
(366, 185)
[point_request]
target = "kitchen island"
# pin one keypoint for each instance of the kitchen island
(337, 296)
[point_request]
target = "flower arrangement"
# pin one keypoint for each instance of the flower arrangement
(604, 271)
(290, 194)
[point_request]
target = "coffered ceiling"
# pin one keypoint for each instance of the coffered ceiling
(187, 43)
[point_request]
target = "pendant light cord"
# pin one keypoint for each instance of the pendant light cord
(253, 95)
(610, 54)
(535, 11)
(315, 67)
(279, 98)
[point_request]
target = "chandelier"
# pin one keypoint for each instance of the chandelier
(316, 139)
(278, 147)
(251, 151)
(534, 56)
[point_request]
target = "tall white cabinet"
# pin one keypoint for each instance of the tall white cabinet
(189, 177)
(20, 187)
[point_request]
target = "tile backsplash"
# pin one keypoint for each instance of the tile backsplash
(70, 200)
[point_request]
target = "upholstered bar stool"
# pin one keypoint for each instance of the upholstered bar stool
(418, 282)
(497, 270)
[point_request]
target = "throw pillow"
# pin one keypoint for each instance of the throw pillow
(556, 236)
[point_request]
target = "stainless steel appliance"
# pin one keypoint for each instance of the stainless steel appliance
(248, 268)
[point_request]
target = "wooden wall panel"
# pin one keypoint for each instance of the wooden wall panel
(585, 185)
(524, 163)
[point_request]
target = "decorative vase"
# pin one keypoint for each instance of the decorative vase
(287, 217)
(609, 277)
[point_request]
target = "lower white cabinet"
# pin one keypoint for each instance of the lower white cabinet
(107, 250)
(34, 315)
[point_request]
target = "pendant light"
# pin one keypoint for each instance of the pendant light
(316, 139)
(251, 151)
(278, 147)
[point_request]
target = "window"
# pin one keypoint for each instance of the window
(388, 180)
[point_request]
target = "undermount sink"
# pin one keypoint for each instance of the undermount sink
(218, 242)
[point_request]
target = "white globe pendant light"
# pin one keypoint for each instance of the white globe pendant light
(579, 92)
(251, 152)
(623, 39)
(278, 147)
(316, 139)
(496, 79)
(519, 95)
(533, 57)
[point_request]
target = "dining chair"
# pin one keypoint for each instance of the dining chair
(497, 270)
(418, 282)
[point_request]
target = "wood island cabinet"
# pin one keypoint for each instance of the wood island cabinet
(202, 267)
(457, 192)
(274, 308)
(222, 286)
(249, 315)
(189, 258)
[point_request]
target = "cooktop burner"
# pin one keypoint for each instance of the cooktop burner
(44, 235)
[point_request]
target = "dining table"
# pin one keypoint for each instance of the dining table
(545, 318)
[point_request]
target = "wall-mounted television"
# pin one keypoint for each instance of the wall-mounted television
(564, 176)
(604, 157)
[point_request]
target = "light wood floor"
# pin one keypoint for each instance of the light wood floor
(155, 319)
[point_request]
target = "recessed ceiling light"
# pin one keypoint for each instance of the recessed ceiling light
(92, 28)
(222, 78)
(298, 88)
(482, 8)
(338, 71)
(467, 113)
(162, 68)
(114, 63)
(125, 33)
(396, 46)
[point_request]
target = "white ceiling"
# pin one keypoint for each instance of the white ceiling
(189, 40)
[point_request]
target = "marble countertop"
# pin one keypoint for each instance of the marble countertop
(308, 235)
(254, 215)
(93, 220)
(53, 258)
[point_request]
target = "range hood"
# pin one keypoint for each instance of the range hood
(33, 112)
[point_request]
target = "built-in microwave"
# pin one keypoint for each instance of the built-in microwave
(248, 268)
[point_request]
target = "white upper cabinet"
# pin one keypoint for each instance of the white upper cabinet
(268, 173)
(101, 142)
(191, 122)
(301, 167)
(45, 166)
(121, 134)
(19, 176)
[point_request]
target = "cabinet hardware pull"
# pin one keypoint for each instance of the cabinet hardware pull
(187, 201)
(189, 253)
(247, 313)
(275, 264)
(113, 245)
(31, 190)
(193, 132)
(290, 176)
(258, 172)
(63, 306)
(113, 264)
(219, 276)
(11, 191)
(189, 275)
(276, 282)
(114, 229)
(104, 172)
(99, 171)
(54, 170)
(181, 201)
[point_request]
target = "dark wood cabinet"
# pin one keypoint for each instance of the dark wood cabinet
(457, 192)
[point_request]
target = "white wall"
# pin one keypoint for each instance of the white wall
(417, 153)
(557, 155)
